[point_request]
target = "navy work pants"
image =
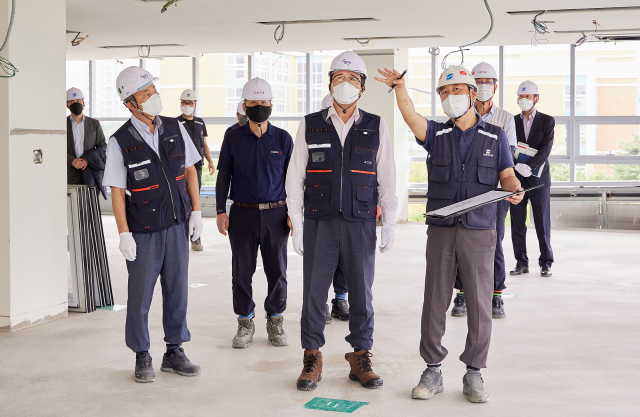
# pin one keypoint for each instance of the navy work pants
(541, 210)
(166, 254)
(250, 229)
(499, 270)
(327, 243)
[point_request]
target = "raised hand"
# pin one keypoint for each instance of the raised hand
(390, 78)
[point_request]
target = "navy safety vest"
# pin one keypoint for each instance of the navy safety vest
(341, 179)
(198, 133)
(157, 195)
(452, 180)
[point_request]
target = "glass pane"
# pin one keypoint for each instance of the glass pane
(608, 79)
(107, 101)
(215, 136)
(78, 77)
(416, 212)
(281, 71)
(559, 140)
(222, 77)
(607, 172)
(419, 80)
(206, 178)
(559, 172)
(109, 128)
(176, 75)
(414, 148)
(290, 126)
(609, 140)
(418, 172)
(546, 65)
(320, 64)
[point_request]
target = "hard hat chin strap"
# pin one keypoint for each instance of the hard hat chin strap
(137, 107)
(344, 110)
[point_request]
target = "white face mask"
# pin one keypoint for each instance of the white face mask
(525, 104)
(485, 92)
(153, 106)
(345, 93)
(187, 110)
(456, 106)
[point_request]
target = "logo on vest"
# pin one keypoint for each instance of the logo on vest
(368, 162)
(488, 153)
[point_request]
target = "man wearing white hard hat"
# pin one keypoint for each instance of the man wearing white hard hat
(535, 130)
(466, 158)
(198, 132)
(83, 134)
(156, 204)
(342, 167)
(340, 307)
(253, 162)
(487, 82)
(242, 118)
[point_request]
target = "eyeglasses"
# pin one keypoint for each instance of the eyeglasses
(341, 78)
(484, 82)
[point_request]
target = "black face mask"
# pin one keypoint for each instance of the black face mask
(76, 108)
(258, 114)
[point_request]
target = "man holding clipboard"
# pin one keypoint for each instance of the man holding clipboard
(466, 158)
(535, 132)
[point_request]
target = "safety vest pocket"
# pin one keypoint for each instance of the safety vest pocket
(487, 172)
(145, 207)
(319, 155)
(440, 170)
(317, 199)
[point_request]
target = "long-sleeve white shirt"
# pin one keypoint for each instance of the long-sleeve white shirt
(386, 167)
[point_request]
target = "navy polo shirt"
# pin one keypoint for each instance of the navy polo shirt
(256, 167)
(505, 159)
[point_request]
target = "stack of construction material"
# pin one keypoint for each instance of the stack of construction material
(90, 282)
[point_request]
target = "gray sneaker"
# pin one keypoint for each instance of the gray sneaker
(197, 245)
(429, 385)
(244, 337)
(178, 362)
(498, 308)
(144, 368)
(459, 306)
(327, 315)
(276, 333)
(473, 388)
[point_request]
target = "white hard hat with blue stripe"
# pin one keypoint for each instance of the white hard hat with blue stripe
(527, 87)
(74, 94)
(456, 75)
(133, 79)
(189, 94)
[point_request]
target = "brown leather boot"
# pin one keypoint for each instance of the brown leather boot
(361, 369)
(311, 371)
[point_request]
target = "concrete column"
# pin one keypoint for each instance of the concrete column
(377, 100)
(33, 220)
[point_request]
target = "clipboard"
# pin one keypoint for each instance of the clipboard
(473, 203)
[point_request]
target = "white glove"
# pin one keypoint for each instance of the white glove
(524, 170)
(195, 225)
(128, 246)
(296, 222)
(387, 236)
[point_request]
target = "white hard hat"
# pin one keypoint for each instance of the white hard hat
(528, 87)
(189, 94)
(74, 94)
(348, 61)
(133, 79)
(257, 89)
(327, 101)
(240, 110)
(456, 75)
(484, 70)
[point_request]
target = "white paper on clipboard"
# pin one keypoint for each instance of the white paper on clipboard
(469, 203)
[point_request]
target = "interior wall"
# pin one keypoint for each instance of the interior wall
(33, 225)
(376, 99)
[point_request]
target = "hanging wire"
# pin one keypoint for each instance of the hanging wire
(461, 48)
(275, 33)
(119, 62)
(5, 64)
(167, 4)
(538, 41)
(539, 27)
(584, 38)
(363, 43)
(142, 54)
(78, 40)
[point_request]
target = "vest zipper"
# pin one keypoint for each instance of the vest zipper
(173, 207)
(341, 173)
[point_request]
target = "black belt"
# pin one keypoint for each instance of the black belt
(262, 206)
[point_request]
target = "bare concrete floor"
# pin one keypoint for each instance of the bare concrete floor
(569, 344)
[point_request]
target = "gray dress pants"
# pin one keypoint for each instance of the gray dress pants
(472, 252)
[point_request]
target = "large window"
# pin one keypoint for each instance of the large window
(78, 77)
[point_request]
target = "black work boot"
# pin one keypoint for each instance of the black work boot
(497, 307)
(177, 361)
(459, 306)
(340, 309)
(327, 315)
(144, 369)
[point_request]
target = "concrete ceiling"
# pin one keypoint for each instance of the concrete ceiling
(216, 26)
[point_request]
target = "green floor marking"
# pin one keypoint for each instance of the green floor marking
(328, 404)
(115, 307)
